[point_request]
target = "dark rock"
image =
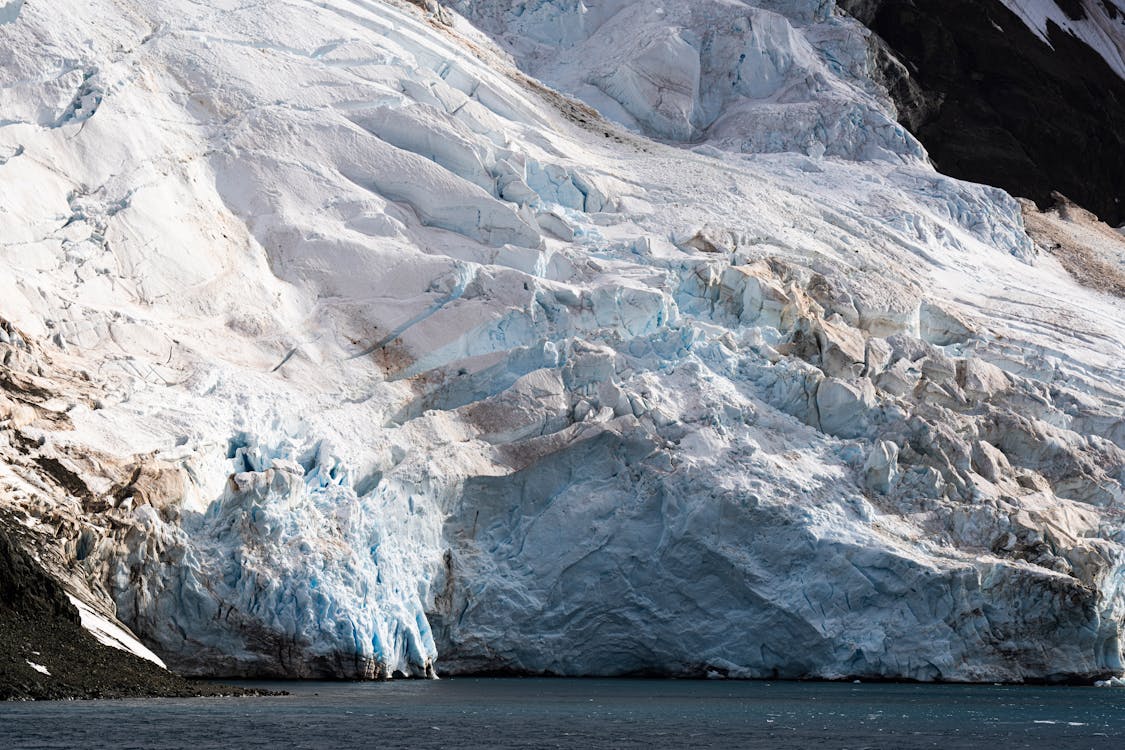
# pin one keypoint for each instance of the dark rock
(39, 625)
(993, 103)
(1072, 8)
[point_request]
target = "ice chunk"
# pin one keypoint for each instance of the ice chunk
(440, 198)
(880, 470)
(843, 406)
(658, 84)
(424, 133)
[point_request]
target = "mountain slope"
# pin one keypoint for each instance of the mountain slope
(338, 343)
(45, 653)
(1027, 95)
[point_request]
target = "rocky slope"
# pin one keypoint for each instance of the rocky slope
(1027, 95)
(46, 653)
(1089, 250)
(364, 338)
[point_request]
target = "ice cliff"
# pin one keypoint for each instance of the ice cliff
(359, 338)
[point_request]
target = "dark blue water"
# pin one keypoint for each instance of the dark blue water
(502, 713)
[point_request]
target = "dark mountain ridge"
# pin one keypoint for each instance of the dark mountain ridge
(993, 103)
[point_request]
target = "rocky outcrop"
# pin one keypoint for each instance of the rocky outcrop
(1091, 252)
(993, 102)
(45, 653)
(59, 637)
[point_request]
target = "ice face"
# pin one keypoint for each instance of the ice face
(312, 576)
(399, 360)
(748, 77)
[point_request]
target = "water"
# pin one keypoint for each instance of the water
(509, 713)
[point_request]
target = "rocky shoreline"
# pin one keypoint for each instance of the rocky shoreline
(46, 654)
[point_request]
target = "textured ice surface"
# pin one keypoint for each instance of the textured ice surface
(340, 345)
(750, 77)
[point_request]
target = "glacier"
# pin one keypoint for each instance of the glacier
(364, 338)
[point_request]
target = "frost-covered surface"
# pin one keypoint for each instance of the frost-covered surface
(1099, 23)
(338, 345)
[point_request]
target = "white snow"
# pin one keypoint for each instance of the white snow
(38, 667)
(111, 633)
(439, 367)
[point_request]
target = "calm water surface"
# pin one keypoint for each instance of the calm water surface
(503, 713)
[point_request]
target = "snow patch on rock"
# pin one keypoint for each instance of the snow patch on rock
(112, 633)
(1101, 25)
(38, 667)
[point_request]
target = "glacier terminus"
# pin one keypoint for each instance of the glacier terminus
(372, 338)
